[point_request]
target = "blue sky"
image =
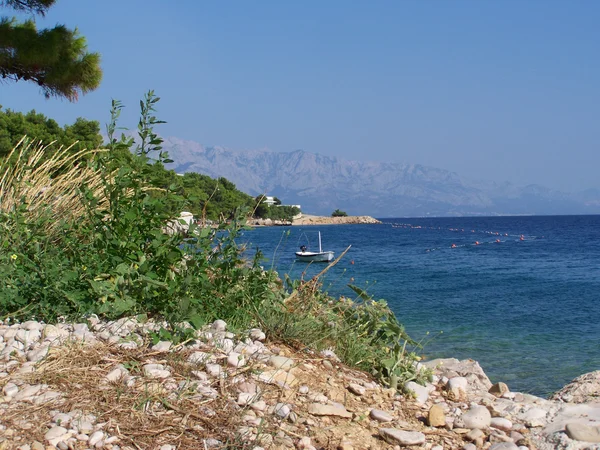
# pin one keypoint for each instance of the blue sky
(504, 91)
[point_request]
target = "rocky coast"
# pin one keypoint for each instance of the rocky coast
(306, 219)
(111, 385)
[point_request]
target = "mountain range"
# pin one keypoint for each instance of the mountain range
(321, 184)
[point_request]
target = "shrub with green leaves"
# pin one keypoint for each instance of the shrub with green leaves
(116, 259)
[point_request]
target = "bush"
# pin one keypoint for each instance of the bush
(338, 213)
(111, 256)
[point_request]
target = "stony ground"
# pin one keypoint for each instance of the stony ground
(106, 385)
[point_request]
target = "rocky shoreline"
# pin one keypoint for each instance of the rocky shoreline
(306, 219)
(108, 385)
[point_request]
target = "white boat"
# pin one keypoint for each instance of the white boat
(308, 256)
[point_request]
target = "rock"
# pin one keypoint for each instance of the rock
(279, 377)
(257, 335)
(394, 436)
(327, 364)
(162, 346)
(534, 417)
(214, 370)
(583, 389)
(260, 405)
(57, 434)
(504, 446)
(28, 392)
(10, 389)
(199, 358)
(282, 410)
(475, 434)
(457, 386)
(380, 416)
(582, 432)
(236, 360)
(62, 419)
(436, 416)
(38, 354)
(499, 389)
(469, 446)
(47, 397)
(356, 389)
(219, 325)
(317, 409)
(477, 417)
(303, 390)
(281, 362)
(501, 423)
(245, 398)
(421, 392)
(117, 374)
(249, 387)
(96, 437)
(156, 371)
(479, 383)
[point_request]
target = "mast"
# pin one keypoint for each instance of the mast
(320, 251)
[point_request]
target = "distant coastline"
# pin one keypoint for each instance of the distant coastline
(307, 219)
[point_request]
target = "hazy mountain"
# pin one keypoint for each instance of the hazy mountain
(321, 184)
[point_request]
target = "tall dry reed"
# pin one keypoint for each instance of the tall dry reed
(50, 186)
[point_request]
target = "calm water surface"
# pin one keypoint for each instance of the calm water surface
(527, 307)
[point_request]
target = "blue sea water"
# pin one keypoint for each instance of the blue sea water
(526, 307)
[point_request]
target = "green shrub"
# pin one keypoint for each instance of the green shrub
(115, 259)
(338, 213)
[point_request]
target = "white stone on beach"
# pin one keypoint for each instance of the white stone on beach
(56, 434)
(96, 437)
(162, 346)
(477, 417)
(156, 371)
(380, 416)
(394, 436)
(356, 389)
(582, 432)
(421, 392)
(10, 389)
(501, 423)
(219, 325)
(236, 360)
(257, 335)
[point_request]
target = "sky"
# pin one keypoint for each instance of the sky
(493, 90)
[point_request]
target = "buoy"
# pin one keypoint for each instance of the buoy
(476, 242)
(453, 246)
(497, 240)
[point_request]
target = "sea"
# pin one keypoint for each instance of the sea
(520, 295)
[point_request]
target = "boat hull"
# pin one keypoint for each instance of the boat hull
(314, 256)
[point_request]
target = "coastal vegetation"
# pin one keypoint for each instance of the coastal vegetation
(339, 213)
(277, 211)
(84, 233)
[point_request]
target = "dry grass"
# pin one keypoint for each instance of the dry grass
(143, 416)
(48, 185)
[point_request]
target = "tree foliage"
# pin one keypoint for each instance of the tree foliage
(15, 125)
(276, 212)
(339, 213)
(56, 58)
